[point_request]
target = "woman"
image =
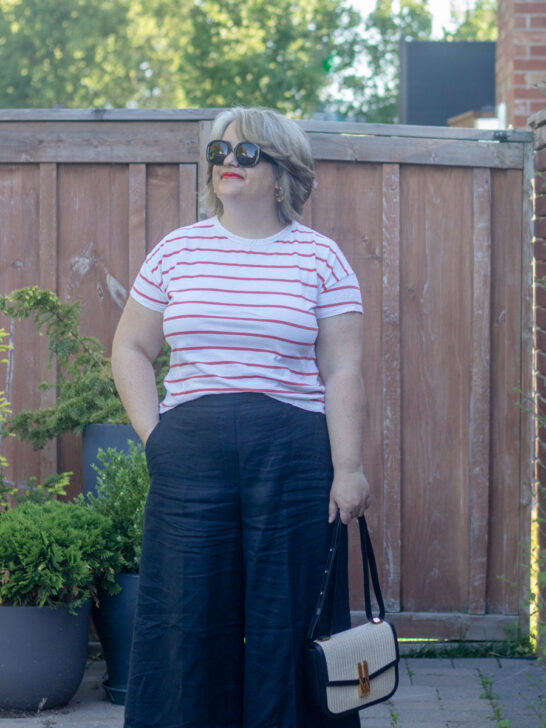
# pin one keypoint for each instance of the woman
(263, 317)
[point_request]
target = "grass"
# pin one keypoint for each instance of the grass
(440, 648)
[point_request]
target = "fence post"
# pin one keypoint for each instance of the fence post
(538, 122)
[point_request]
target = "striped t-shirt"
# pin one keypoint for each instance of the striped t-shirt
(240, 315)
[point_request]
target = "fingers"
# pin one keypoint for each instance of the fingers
(332, 510)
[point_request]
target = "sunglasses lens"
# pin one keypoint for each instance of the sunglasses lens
(217, 151)
(247, 154)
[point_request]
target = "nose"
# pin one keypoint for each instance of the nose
(230, 159)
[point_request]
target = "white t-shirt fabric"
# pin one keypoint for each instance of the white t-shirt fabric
(241, 314)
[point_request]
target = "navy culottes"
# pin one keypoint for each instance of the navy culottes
(235, 540)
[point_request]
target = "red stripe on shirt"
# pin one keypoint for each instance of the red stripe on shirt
(237, 333)
(240, 318)
(244, 348)
(148, 298)
(242, 278)
(245, 389)
(340, 303)
(252, 293)
(239, 376)
(245, 304)
(245, 364)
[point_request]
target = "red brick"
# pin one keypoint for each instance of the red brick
(537, 21)
(540, 317)
(541, 461)
(540, 452)
(537, 50)
(540, 271)
(528, 36)
(540, 204)
(540, 227)
(538, 105)
(528, 65)
(540, 297)
(541, 339)
(531, 93)
(539, 251)
(541, 361)
(522, 8)
(540, 185)
(520, 21)
(520, 51)
(541, 407)
(541, 388)
(541, 473)
(520, 79)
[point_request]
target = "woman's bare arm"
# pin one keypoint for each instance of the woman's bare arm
(137, 342)
(339, 356)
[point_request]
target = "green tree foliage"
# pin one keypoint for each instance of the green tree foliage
(277, 53)
(165, 53)
(476, 23)
(64, 52)
(372, 93)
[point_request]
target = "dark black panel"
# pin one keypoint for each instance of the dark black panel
(443, 79)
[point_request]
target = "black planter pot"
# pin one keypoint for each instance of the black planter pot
(114, 621)
(102, 436)
(43, 652)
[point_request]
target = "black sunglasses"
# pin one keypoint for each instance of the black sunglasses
(247, 154)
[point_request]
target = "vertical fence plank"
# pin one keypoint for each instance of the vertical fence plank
(205, 128)
(137, 219)
(392, 524)
(48, 252)
(479, 392)
(506, 367)
(436, 350)
(528, 422)
(188, 194)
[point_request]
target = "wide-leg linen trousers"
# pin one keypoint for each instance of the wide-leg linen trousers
(235, 540)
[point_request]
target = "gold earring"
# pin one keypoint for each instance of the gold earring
(279, 194)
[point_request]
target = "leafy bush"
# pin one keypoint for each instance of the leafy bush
(54, 553)
(85, 388)
(122, 487)
(4, 408)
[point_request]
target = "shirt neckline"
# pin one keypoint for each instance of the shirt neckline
(252, 241)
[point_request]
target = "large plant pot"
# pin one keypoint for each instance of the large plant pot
(102, 436)
(114, 621)
(43, 652)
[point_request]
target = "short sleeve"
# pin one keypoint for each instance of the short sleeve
(148, 288)
(339, 291)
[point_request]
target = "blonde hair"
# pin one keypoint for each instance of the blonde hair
(281, 139)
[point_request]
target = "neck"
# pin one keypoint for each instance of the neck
(249, 224)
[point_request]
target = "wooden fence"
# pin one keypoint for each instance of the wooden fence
(436, 223)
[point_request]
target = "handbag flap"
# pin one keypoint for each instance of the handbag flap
(373, 643)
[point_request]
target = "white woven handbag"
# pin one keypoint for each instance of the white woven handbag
(354, 669)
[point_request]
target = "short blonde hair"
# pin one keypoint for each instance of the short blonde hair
(281, 139)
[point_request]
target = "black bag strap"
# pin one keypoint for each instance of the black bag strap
(369, 567)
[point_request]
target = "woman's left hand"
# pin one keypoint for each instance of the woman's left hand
(350, 494)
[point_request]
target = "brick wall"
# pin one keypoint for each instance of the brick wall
(539, 124)
(521, 59)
